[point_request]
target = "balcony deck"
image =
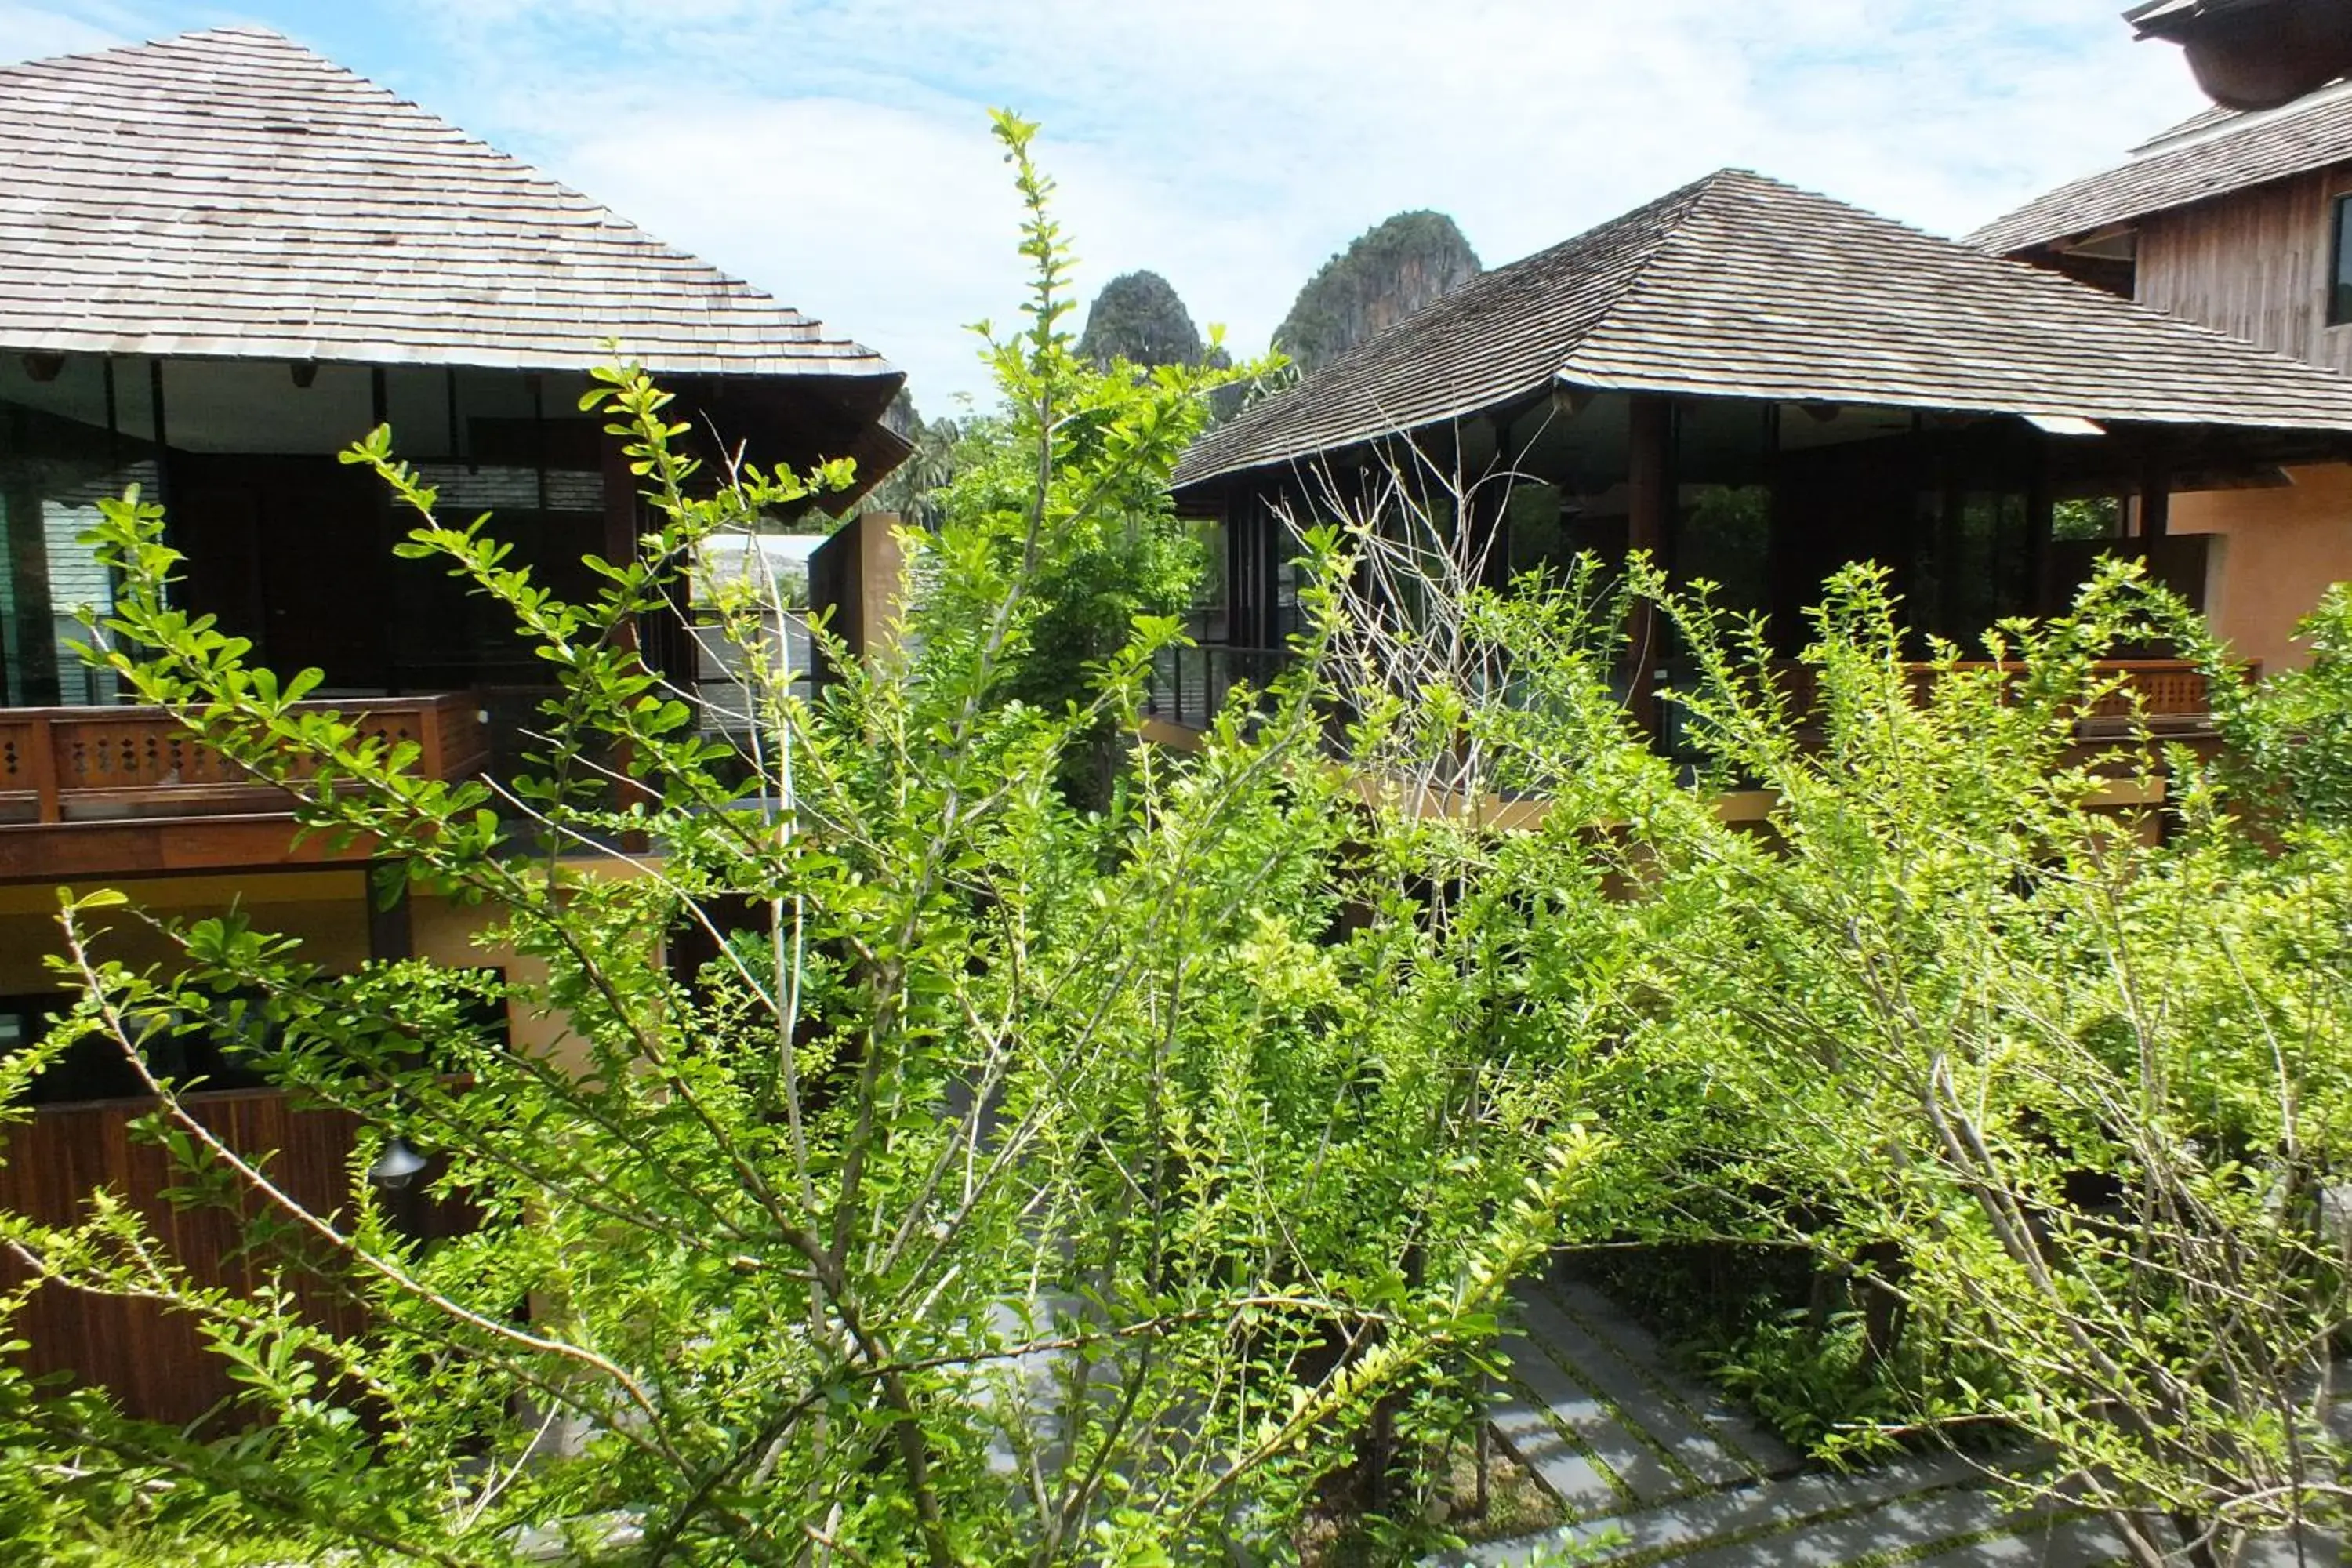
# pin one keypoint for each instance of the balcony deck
(101, 792)
(2171, 696)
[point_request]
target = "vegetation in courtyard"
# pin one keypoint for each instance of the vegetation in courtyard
(1087, 1152)
(1025, 1183)
(2039, 1083)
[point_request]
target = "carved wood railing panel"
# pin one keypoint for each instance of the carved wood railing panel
(60, 758)
(2172, 690)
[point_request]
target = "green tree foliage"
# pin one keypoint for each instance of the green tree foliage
(1400, 267)
(1139, 317)
(911, 492)
(2050, 1100)
(1024, 1184)
(1122, 1182)
(2291, 740)
(1067, 484)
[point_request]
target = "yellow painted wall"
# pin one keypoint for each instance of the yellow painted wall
(2277, 553)
(326, 910)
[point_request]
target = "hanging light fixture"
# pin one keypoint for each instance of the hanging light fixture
(44, 368)
(396, 1167)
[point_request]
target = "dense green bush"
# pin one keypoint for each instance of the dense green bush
(1026, 1184)
(1129, 1174)
(2039, 1051)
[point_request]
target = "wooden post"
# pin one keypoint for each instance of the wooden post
(391, 934)
(2155, 499)
(620, 548)
(1487, 519)
(430, 759)
(46, 787)
(1649, 510)
(2040, 524)
(25, 558)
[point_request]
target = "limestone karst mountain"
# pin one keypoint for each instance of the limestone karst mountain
(1403, 265)
(1139, 317)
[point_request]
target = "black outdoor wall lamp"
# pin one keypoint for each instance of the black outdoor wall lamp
(45, 368)
(306, 373)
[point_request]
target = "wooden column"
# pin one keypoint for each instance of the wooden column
(2155, 497)
(46, 787)
(24, 557)
(1487, 539)
(621, 533)
(391, 936)
(2041, 517)
(1650, 508)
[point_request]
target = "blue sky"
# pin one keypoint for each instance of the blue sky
(837, 151)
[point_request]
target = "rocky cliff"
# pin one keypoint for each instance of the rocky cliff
(1139, 317)
(1407, 263)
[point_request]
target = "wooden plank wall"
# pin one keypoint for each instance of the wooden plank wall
(153, 1362)
(2254, 264)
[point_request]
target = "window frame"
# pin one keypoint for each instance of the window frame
(2339, 260)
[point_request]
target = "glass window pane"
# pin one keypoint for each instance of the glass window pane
(2339, 301)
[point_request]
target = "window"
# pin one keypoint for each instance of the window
(2339, 270)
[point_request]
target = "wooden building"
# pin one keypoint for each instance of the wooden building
(223, 258)
(2241, 221)
(2254, 54)
(1759, 385)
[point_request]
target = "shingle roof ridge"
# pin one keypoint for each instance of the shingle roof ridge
(2184, 164)
(2025, 275)
(198, 175)
(1205, 459)
(1758, 289)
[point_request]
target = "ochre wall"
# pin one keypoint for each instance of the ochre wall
(2279, 550)
(326, 910)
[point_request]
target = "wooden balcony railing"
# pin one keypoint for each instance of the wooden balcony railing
(2171, 694)
(1189, 686)
(71, 764)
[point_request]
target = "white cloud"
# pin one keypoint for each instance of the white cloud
(836, 151)
(30, 32)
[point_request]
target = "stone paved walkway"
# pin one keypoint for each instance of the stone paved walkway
(1655, 1468)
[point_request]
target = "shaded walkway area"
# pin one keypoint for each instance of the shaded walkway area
(1653, 1468)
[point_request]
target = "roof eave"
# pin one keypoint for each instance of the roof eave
(2064, 421)
(853, 364)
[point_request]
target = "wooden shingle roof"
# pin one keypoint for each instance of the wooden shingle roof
(230, 194)
(2213, 155)
(1742, 287)
(2162, 18)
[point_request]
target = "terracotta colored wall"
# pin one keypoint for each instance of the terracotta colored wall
(2278, 550)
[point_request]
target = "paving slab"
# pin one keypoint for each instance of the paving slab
(2314, 1550)
(1860, 1535)
(1754, 1511)
(1659, 1472)
(1582, 1485)
(2069, 1543)
(1641, 1474)
(1723, 1418)
(1639, 1402)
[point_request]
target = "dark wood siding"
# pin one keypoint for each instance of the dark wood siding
(155, 1362)
(2255, 265)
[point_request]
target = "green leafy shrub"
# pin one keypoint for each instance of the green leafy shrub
(1025, 1182)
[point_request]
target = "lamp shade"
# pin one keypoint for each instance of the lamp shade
(396, 1167)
